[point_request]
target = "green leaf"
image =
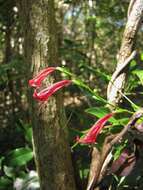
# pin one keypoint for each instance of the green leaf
(97, 72)
(18, 157)
(119, 149)
(84, 86)
(139, 74)
(9, 171)
(133, 64)
(5, 183)
(123, 121)
(141, 56)
(25, 128)
(84, 173)
(28, 135)
(100, 112)
(122, 110)
(81, 84)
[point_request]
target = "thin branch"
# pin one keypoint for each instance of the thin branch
(126, 53)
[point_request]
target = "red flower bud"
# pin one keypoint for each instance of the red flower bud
(44, 94)
(92, 134)
(36, 81)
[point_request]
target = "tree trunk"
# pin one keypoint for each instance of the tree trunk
(50, 137)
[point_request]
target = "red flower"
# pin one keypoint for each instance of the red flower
(36, 81)
(92, 134)
(44, 94)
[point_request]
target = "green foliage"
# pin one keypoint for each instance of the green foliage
(5, 183)
(139, 74)
(118, 149)
(18, 157)
(91, 40)
(99, 112)
(14, 164)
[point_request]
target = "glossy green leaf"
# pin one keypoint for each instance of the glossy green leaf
(100, 112)
(19, 157)
(121, 110)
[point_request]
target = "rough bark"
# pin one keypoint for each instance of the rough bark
(52, 151)
(96, 156)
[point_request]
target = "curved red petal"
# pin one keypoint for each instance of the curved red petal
(49, 91)
(37, 80)
(92, 134)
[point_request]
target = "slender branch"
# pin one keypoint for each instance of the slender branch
(130, 7)
(126, 53)
(118, 71)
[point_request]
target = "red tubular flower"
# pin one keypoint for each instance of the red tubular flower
(44, 94)
(92, 134)
(36, 81)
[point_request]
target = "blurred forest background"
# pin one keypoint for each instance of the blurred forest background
(89, 38)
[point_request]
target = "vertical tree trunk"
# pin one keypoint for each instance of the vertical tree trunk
(52, 151)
